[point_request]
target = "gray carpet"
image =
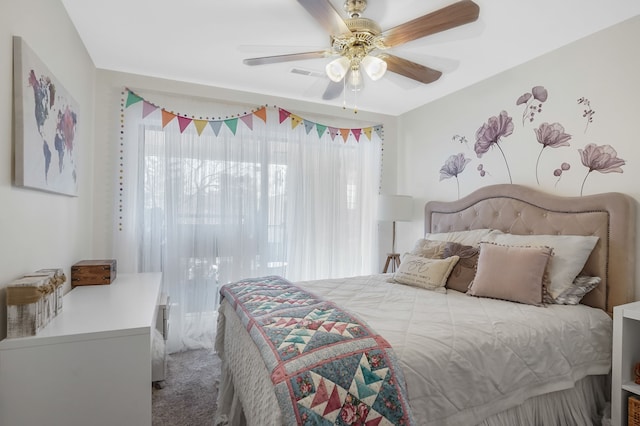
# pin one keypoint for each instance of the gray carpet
(189, 395)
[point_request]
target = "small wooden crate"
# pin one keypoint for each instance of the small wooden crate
(634, 411)
(93, 272)
(27, 312)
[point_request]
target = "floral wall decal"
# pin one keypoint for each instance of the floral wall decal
(454, 165)
(538, 93)
(552, 136)
(587, 113)
(602, 158)
(558, 172)
(461, 139)
(490, 133)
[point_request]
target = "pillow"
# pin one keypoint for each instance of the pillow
(469, 238)
(574, 294)
(422, 272)
(570, 253)
(465, 269)
(429, 248)
(511, 273)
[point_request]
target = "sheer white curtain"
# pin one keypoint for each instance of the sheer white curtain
(207, 210)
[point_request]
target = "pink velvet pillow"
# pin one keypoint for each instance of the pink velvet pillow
(511, 273)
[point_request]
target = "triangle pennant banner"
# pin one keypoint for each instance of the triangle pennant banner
(295, 121)
(356, 134)
(378, 130)
(167, 117)
(308, 125)
(367, 132)
(248, 120)
(262, 114)
(183, 122)
(215, 125)
(345, 134)
(321, 129)
(283, 115)
(232, 124)
(147, 108)
(333, 132)
(200, 125)
(132, 98)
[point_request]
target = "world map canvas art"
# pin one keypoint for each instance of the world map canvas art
(46, 122)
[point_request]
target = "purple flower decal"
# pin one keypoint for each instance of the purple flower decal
(601, 158)
(539, 94)
(454, 165)
(490, 133)
(550, 135)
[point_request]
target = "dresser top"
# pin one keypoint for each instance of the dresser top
(126, 306)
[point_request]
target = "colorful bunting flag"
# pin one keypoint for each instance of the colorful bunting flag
(247, 119)
(200, 125)
(167, 117)
(215, 125)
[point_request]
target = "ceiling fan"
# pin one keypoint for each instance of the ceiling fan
(360, 44)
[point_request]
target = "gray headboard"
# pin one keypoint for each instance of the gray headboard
(522, 210)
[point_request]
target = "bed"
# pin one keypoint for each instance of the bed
(475, 360)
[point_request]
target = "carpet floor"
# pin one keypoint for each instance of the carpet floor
(189, 394)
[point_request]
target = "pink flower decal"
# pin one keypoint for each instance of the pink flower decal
(550, 135)
(490, 133)
(601, 158)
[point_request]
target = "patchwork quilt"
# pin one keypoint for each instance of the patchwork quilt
(327, 366)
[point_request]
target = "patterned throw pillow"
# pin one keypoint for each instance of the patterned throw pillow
(430, 274)
(465, 270)
(429, 248)
(574, 294)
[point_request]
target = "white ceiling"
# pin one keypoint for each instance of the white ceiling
(205, 41)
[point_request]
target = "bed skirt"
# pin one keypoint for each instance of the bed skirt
(579, 406)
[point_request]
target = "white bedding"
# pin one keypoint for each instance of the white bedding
(464, 358)
(467, 358)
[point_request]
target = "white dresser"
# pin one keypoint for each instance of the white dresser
(91, 365)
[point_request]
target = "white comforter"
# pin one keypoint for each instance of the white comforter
(467, 358)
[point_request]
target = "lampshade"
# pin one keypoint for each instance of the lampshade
(395, 208)
(337, 69)
(374, 67)
(355, 82)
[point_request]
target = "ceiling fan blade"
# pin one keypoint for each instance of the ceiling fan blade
(286, 58)
(448, 17)
(333, 90)
(411, 69)
(326, 15)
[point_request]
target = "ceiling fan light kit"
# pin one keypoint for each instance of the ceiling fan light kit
(360, 44)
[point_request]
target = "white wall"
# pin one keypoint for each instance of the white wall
(38, 229)
(192, 99)
(602, 67)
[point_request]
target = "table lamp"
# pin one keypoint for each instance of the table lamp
(394, 208)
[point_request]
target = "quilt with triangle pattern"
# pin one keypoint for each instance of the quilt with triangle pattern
(327, 366)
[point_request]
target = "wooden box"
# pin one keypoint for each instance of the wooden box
(93, 272)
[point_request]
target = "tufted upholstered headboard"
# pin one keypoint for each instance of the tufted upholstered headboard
(521, 210)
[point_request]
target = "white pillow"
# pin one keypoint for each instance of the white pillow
(570, 253)
(430, 274)
(467, 238)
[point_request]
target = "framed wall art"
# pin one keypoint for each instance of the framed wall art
(46, 122)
